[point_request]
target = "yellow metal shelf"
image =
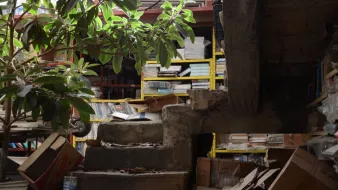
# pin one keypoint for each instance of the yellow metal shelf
(184, 61)
(100, 120)
(82, 139)
(112, 101)
(147, 95)
(219, 78)
(240, 151)
(177, 78)
(219, 53)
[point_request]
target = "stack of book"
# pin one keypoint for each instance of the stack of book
(105, 110)
(200, 69)
(257, 141)
(181, 88)
(157, 87)
(172, 71)
(238, 141)
(275, 140)
(220, 67)
(150, 70)
(194, 50)
(200, 84)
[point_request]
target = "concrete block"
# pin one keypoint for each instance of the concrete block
(123, 181)
(131, 132)
(114, 158)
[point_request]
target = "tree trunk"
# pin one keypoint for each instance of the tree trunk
(241, 25)
(4, 153)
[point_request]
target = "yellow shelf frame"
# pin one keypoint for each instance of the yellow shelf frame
(241, 151)
(177, 78)
(184, 61)
(219, 53)
(112, 101)
(148, 95)
(219, 78)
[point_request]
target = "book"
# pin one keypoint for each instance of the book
(185, 72)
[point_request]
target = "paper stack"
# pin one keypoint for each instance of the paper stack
(172, 71)
(200, 84)
(220, 67)
(181, 88)
(157, 87)
(238, 141)
(150, 70)
(200, 69)
(194, 50)
(257, 141)
(275, 140)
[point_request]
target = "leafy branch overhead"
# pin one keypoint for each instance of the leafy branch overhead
(81, 26)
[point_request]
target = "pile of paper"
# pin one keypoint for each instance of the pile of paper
(220, 67)
(202, 69)
(194, 50)
(200, 84)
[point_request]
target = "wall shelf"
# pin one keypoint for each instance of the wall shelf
(240, 151)
(177, 78)
(184, 61)
(148, 95)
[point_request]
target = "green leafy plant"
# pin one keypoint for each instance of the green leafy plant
(29, 91)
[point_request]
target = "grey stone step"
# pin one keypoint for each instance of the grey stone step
(102, 158)
(131, 132)
(123, 181)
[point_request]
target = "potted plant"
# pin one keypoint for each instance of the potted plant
(27, 90)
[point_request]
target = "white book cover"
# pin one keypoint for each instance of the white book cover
(185, 72)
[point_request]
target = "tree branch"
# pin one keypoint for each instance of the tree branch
(3, 121)
(153, 5)
(23, 14)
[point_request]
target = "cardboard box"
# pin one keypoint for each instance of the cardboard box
(154, 104)
(47, 166)
(218, 173)
(295, 140)
(305, 172)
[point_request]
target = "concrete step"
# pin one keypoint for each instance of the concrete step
(124, 181)
(112, 158)
(131, 132)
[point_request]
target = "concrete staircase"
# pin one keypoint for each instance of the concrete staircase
(163, 167)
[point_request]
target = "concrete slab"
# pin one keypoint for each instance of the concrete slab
(131, 132)
(102, 158)
(123, 181)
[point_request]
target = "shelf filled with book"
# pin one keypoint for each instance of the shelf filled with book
(184, 61)
(240, 151)
(177, 78)
(182, 95)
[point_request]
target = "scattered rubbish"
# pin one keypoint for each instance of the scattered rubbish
(106, 144)
(47, 166)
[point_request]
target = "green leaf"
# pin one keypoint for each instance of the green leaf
(138, 15)
(163, 54)
(167, 5)
(105, 57)
(17, 43)
(80, 63)
(127, 5)
(91, 14)
(85, 117)
(117, 63)
(16, 107)
(190, 31)
(65, 113)
(87, 91)
(48, 110)
(81, 105)
(89, 72)
(189, 16)
(49, 80)
(9, 77)
(107, 11)
(36, 113)
(98, 23)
